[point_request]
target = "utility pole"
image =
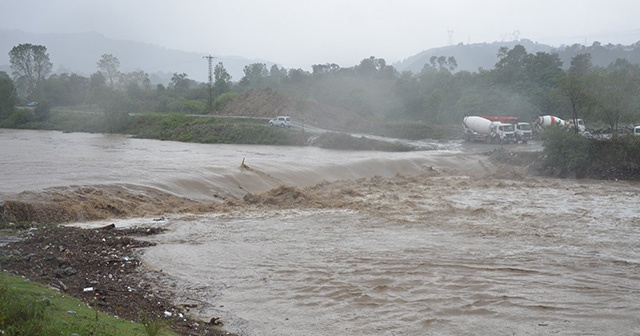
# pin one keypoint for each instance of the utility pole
(210, 60)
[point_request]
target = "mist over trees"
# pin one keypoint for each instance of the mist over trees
(520, 84)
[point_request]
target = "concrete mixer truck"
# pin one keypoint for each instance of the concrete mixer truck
(543, 123)
(478, 128)
(521, 130)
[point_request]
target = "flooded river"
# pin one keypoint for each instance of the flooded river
(364, 243)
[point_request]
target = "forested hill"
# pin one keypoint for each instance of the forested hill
(79, 53)
(472, 57)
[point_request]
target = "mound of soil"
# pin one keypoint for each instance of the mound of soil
(268, 104)
(99, 267)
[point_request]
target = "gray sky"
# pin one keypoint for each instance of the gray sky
(299, 33)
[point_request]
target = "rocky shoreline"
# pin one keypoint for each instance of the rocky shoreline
(99, 267)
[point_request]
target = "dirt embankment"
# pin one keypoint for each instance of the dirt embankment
(268, 104)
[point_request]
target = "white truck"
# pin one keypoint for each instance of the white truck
(522, 130)
(477, 128)
(542, 123)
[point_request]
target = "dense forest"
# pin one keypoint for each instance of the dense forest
(521, 84)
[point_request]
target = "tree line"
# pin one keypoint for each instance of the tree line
(521, 84)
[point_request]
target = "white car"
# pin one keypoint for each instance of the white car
(282, 121)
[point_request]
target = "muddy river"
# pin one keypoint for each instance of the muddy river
(438, 242)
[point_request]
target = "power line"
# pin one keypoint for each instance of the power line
(210, 60)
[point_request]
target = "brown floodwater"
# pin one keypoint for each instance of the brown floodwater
(423, 243)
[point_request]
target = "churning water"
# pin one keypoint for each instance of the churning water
(367, 243)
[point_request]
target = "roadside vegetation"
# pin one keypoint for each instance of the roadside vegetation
(371, 97)
(567, 154)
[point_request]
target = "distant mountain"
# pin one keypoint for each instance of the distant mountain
(472, 57)
(79, 53)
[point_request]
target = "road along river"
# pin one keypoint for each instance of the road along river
(362, 243)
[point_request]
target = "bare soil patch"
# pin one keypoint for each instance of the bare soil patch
(99, 267)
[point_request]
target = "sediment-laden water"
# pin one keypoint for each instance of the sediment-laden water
(363, 243)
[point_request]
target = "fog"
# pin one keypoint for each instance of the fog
(297, 34)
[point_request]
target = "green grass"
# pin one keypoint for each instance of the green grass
(28, 308)
(214, 129)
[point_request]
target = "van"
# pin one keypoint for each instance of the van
(282, 121)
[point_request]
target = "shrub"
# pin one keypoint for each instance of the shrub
(568, 154)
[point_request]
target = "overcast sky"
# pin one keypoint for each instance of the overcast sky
(299, 33)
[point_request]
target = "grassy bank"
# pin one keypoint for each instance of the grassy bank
(27, 308)
(199, 129)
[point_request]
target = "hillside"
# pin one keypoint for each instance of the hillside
(472, 57)
(80, 52)
(268, 103)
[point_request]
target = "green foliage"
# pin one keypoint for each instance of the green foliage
(42, 112)
(570, 154)
(21, 117)
(30, 65)
(8, 95)
(348, 142)
(20, 315)
(30, 309)
(224, 99)
(109, 66)
(153, 327)
(182, 105)
(566, 151)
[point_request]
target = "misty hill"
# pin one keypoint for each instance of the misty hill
(79, 53)
(472, 57)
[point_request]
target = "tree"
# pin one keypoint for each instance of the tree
(8, 95)
(615, 89)
(30, 65)
(222, 83)
(254, 75)
(110, 65)
(179, 83)
(66, 89)
(574, 84)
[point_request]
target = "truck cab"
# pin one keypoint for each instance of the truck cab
(503, 133)
(581, 127)
(523, 132)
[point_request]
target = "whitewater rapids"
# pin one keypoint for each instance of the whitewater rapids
(306, 241)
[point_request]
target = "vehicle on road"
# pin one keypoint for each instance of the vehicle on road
(282, 121)
(488, 129)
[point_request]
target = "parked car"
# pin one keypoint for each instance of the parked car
(636, 130)
(282, 121)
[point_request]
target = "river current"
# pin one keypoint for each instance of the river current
(439, 242)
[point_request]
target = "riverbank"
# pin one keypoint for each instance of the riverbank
(101, 268)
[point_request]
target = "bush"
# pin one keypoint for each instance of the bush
(223, 100)
(566, 151)
(570, 154)
(43, 111)
(21, 116)
(348, 142)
